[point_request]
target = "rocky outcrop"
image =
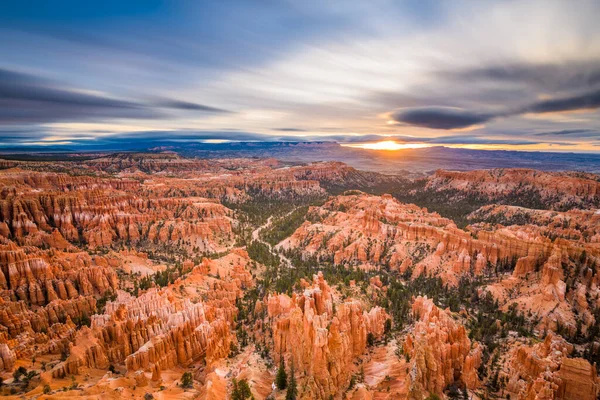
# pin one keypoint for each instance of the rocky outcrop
(573, 225)
(555, 279)
(319, 341)
(85, 351)
(544, 371)
(158, 331)
(374, 231)
(99, 218)
(37, 278)
(163, 328)
(7, 357)
(440, 352)
(556, 189)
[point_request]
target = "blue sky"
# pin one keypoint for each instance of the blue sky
(481, 74)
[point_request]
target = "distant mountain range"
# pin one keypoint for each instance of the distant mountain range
(413, 162)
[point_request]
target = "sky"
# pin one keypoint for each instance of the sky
(521, 75)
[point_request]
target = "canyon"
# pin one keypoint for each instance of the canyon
(153, 275)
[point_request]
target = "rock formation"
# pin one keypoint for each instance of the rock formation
(558, 189)
(319, 340)
(440, 352)
(545, 371)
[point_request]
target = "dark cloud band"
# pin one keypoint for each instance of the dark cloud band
(455, 118)
(586, 101)
(188, 106)
(26, 98)
(440, 117)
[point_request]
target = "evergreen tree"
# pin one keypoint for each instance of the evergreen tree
(465, 393)
(281, 377)
(370, 339)
(187, 380)
(241, 390)
(387, 327)
(244, 389)
(292, 392)
(235, 393)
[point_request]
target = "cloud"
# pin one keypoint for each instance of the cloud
(188, 106)
(466, 140)
(26, 98)
(20, 87)
(566, 75)
(585, 101)
(456, 118)
(289, 130)
(565, 132)
(440, 117)
(302, 65)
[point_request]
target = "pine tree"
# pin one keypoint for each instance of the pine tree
(370, 339)
(235, 393)
(187, 380)
(241, 390)
(292, 392)
(244, 389)
(281, 377)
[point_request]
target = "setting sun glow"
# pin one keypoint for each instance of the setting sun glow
(387, 145)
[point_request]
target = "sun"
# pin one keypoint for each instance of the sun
(386, 145)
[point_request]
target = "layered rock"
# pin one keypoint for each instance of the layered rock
(573, 225)
(440, 352)
(40, 277)
(557, 189)
(99, 218)
(372, 231)
(163, 328)
(319, 341)
(560, 290)
(544, 371)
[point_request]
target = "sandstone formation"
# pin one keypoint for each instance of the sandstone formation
(545, 371)
(559, 189)
(319, 341)
(554, 278)
(162, 328)
(367, 231)
(440, 352)
(121, 273)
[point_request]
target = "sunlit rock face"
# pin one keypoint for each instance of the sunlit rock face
(123, 272)
(39, 277)
(440, 352)
(553, 277)
(557, 190)
(374, 231)
(100, 213)
(322, 340)
(547, 371)
(162, 329)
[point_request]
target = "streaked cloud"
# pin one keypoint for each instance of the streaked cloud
(26, 98)
(187, 106)
(571, 132)
(506, 72)
(440, 117)
(455, 118)
(584, 101)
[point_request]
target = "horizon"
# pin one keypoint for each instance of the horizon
(300, 199)
(521, 76)
(157, 147)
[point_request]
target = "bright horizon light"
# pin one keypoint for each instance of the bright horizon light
(216, 141)
(387, 145)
